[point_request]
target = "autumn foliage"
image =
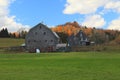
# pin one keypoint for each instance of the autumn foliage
(68, 28)
(98, 35)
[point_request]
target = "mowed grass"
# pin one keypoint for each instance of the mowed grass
(60, 66)
(8, 42)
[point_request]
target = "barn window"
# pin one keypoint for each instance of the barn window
(51, 40)
(35, 33)
(40, 27)
(28, 41)
(44, 33)
(34, 40)
(45, 40)
(40, 41)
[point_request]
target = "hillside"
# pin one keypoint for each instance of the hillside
(97, 35)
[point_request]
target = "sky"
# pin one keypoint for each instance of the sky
(25, 14)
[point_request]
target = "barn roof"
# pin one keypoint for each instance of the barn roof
(54, 33)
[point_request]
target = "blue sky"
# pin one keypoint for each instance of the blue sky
(16, 14)
(32, 12)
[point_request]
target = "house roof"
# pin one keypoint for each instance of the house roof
(81, 34)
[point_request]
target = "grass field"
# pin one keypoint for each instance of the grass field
(103, 65)
(8, 42)
(60, 66)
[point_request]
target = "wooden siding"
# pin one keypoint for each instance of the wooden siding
(41, 37)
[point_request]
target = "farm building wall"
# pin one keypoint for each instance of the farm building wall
(42, 38)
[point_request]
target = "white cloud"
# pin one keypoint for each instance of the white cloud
(8, 21)
(90, 6)
(113, 5)
(94, 21)
(83, 6)
(98, 7)
(115, 24)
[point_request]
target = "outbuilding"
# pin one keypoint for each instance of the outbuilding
(79, 39)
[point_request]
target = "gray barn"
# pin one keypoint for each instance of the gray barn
(42, 38)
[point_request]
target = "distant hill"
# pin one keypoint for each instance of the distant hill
(97, 35)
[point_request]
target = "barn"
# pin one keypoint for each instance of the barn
(42, 38)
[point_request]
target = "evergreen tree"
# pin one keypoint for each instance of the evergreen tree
(4, 33)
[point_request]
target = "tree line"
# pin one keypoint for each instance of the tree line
(5, 34)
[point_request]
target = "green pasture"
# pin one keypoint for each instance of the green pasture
(101, 64)
(8, 42)
(60, 66)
